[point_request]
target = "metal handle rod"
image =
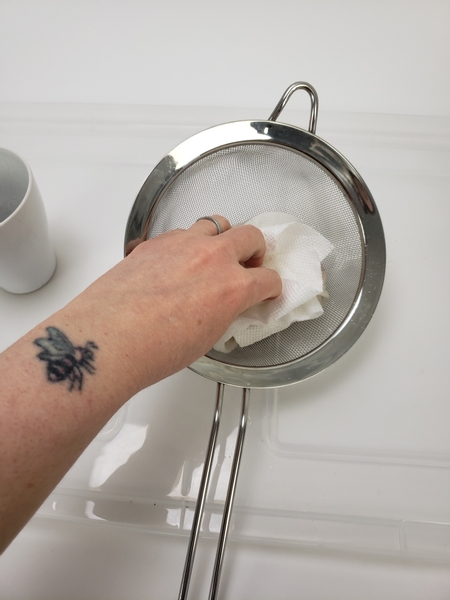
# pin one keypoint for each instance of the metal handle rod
(300, 85)
(230, 496)
(195, 529)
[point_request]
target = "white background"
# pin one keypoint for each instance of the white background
(389, 56)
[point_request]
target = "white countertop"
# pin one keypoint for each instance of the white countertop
(344, 489)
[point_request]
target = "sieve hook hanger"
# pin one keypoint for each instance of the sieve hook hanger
(299, 85)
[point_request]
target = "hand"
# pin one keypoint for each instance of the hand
(173, 297)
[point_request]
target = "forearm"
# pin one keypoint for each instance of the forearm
(45, 423)
(51, 409)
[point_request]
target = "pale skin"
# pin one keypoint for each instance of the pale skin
(150, 316)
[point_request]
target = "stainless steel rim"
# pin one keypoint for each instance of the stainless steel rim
(345, 175)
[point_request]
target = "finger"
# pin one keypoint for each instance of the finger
(206, 227)
(266, 285)
(249, 244)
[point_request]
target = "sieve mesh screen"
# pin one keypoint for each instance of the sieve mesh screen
(245, 180)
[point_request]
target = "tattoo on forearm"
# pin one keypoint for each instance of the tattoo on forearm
(66, 362)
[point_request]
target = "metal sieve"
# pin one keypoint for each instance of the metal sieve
(242, 169)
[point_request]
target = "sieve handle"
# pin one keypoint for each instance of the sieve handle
(228, 508)
(200, 506)
(300, 85)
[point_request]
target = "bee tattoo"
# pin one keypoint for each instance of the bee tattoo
(66, 362)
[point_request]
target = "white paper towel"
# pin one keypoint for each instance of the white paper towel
(295, 251)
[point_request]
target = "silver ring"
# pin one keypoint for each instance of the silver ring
(213, 220)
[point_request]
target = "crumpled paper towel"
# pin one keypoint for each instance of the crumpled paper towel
(295, 251)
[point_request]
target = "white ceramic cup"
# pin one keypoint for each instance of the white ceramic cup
(27, 258)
